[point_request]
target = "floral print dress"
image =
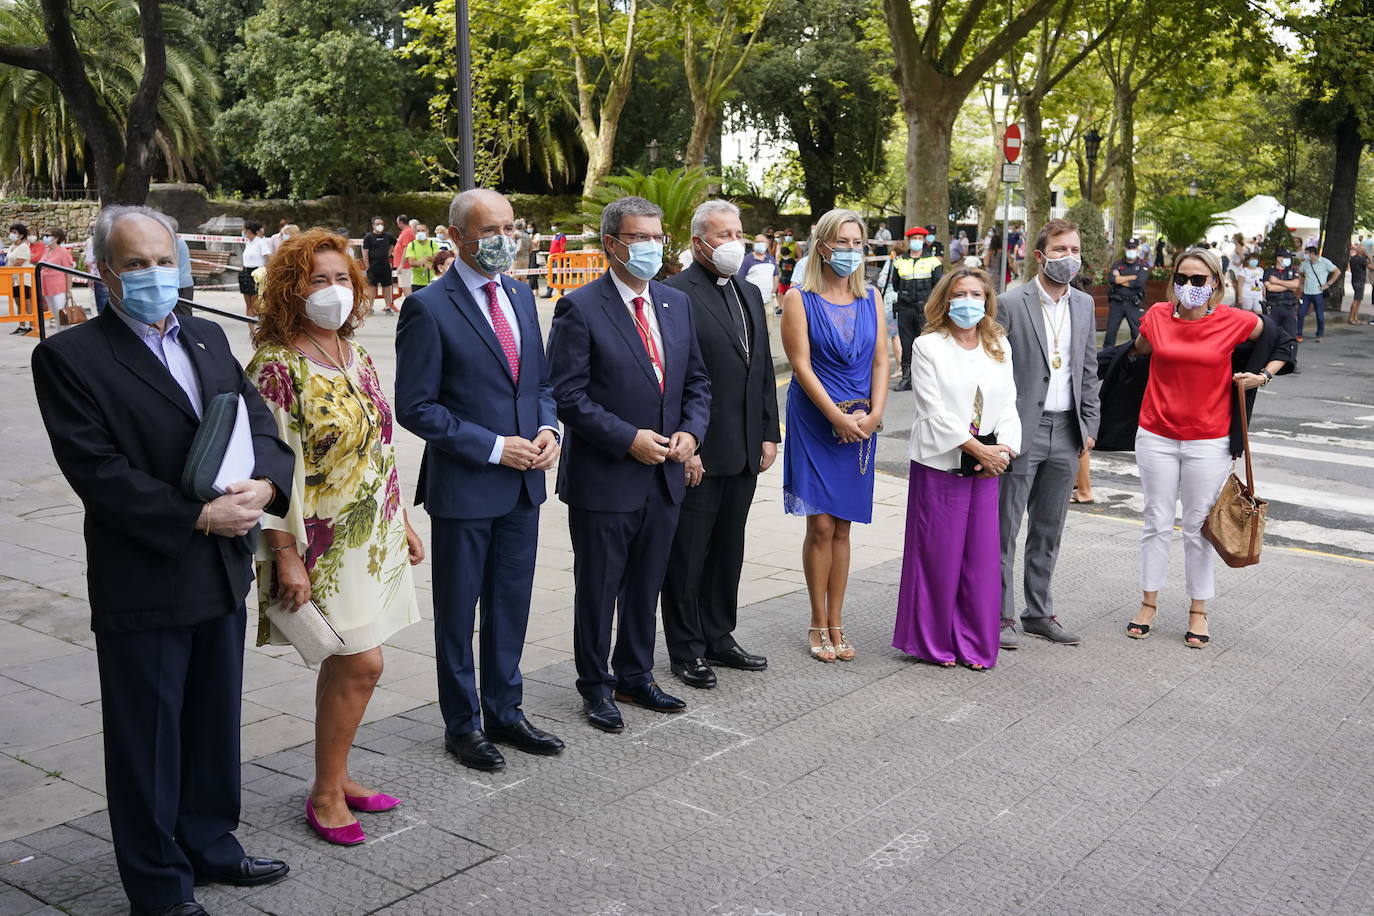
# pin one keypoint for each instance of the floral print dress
(345, 508)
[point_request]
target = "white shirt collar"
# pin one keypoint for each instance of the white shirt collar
(1045, 297)
(628, 295)
(473, 280)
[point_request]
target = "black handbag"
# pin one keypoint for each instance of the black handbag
(967, 462)
(207, 454)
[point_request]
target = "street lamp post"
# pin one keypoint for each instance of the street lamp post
(467, 176)
(1092, 142)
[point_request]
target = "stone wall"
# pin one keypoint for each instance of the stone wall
(72, 216)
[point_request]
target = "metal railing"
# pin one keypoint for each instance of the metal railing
(41, 324)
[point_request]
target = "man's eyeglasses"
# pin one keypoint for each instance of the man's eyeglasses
(637, 237)
(1195, 279)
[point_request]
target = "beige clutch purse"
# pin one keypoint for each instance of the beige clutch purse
(307, 629)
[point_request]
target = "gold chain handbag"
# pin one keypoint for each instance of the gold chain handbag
(1235, 524)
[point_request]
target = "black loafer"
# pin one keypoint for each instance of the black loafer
(603, 714)
(251, 871)
(525, 737)
(651, 697)
(736, 657)
(474, 750)
(188, 908)
(695, 673)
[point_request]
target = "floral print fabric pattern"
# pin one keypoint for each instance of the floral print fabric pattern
(346, 499)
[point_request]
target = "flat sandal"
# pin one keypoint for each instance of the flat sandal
(1140, 630)
(825, 645)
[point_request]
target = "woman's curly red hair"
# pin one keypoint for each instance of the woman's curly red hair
(281, 303)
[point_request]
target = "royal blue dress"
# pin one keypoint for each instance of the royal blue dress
(819, 474)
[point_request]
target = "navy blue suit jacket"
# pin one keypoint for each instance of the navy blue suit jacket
(606, 392)
(455, 391)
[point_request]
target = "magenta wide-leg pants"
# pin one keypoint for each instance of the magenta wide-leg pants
(949, 606)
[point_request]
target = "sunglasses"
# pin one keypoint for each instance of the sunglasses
(1195, 279)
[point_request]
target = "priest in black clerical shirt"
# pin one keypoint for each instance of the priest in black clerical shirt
(701, 590)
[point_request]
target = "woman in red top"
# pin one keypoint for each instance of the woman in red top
(1183, 443)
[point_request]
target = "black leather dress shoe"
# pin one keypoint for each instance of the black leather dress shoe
(735, 657)
(251, 871)
(189, 908)
(603, 714)
(651, 697)
(474, 750)
(695, 673)
(525, 737)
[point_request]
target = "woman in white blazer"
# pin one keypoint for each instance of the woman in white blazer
(964, 436)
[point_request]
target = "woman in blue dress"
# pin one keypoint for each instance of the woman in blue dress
(831, 321)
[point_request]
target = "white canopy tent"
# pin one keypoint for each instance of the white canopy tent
(1255, 216)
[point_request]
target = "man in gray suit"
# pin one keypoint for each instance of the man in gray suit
(1052, 331)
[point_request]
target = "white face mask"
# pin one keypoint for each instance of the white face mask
(421, 236)
(379, 228)
(47, 240)
(330, 307)
(14, 236)
(727, 257)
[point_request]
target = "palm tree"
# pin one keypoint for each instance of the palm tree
(676, 192)
(1183, 220)
(44, 141)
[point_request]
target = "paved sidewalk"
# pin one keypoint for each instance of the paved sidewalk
(1119, 776)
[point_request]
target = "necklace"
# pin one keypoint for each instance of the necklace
(1058, 360)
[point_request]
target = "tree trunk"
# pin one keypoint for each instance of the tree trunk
(1123, 210)
(1035, 171)
(1340, 208)
(703, 124)
(992, 195)
(930, 128)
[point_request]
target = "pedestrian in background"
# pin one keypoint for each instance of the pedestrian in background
(57, 286)
(256, 252)
(1359, 270)
(1188, 426)
(98, 289)
(405, 234)
(1127, 278)
(377, 248)
(832, 326)
(1249, 282)
(963, 438)
(20, 254)
(760, 269)
(419, 257)
(1318, 276)
(344, 541)
(916, 278)
(1281, 285)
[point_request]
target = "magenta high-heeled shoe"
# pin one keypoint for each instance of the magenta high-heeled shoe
(350, 835)
(372, 803)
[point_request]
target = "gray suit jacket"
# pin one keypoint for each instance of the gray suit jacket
(1019, 311)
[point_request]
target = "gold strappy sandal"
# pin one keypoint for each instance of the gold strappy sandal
(843, 647)
(825, 652)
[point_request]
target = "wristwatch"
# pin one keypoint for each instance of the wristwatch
(1268, 376)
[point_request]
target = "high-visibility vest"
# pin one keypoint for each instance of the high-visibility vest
(926, 266)
(906, 268)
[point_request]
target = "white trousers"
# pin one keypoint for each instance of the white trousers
(1172, 471)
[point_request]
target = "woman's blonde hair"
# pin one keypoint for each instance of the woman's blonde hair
(827, 231)
(1213, 261)
(990, 333)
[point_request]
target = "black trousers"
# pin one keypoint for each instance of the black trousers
(1286, 317)
(170, 709)
(701, 589)
(909, 321)
(619, 559)
(1118, 309)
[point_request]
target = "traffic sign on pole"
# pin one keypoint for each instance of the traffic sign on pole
(1011, 172)
(1011, 143)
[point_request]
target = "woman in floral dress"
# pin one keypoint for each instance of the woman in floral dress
(345, 543)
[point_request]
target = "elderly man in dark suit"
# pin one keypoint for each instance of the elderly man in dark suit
(701, 590)
(1052, 331)
(121, 397)
(471, 381)
(635, 400)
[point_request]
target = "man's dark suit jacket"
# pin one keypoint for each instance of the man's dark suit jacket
(454, 390)
(121, 428)
(606, 392)
(744, 397)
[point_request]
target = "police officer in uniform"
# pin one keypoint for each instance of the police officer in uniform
(916, 276)
(1127, 290)
(1282, 282)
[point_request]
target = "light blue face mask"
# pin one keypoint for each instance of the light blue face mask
(149, 294)
(966, 311)
(646, 259)
(844, 261)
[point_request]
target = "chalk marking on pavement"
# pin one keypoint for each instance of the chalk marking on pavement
(960, 714)
(728, 748)
(395, 833)
(1311, 454)
(693, 807)
(1313, 439)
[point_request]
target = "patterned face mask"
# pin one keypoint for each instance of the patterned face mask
(1193, 297)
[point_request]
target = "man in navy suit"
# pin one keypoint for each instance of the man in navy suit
(471, 380)
(633, 394)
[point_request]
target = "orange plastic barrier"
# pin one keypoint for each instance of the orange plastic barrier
(24, 306)
(571, 269)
